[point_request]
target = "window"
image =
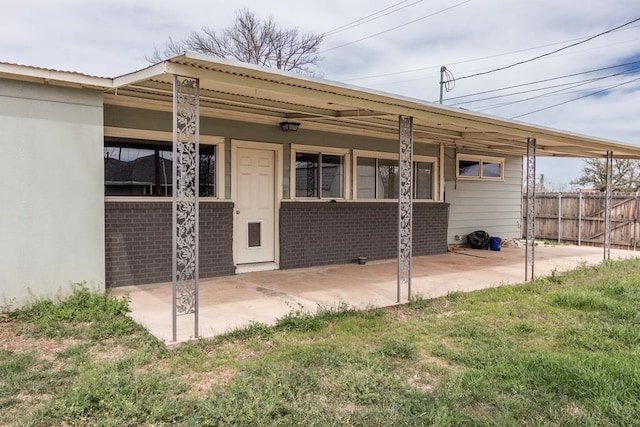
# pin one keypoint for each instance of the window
(143, 168)
(319, 175)
(378, 177)
(480, 167)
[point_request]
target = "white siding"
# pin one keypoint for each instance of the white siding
(495, 207)
(52, 211)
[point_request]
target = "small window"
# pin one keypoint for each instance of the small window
(319, 175)
(469, 168)
(379, 178)
(143, 168)
(423, 180)
(388, 179)
(480, 167)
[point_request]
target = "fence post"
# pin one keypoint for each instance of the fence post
(580, 219)
(559, 217)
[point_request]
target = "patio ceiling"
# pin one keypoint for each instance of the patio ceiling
(236, 91)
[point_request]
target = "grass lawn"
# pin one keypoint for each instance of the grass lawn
(562, 350)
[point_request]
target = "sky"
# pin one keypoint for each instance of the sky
(387, 45)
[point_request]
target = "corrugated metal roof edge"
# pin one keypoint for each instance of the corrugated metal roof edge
(50, 75)
(337, 88)
(209, 63)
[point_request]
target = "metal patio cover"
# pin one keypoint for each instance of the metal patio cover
(237, 91)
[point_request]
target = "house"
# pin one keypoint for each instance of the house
(293, 172)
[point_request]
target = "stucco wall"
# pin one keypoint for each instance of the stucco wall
(51, 216)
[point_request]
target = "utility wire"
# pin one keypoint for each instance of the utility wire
(550, 53)
(371, 17)
(549, 95)
(488, 107)
(497, 55)
(432, 76)
(574, 85)
(399, 26)
(538, 82)
(576, 99)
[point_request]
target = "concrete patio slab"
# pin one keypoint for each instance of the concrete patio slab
(227, 303)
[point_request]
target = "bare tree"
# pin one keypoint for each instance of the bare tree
(253, 41)
(625, 175)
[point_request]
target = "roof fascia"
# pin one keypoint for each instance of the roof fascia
(144, 74)
(42, 75)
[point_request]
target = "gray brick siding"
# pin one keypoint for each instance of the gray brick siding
(334, 233)
(138, 241)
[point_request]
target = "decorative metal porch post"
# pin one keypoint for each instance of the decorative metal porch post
(405, 206)
(186, 130)
(607, 208)
(531, 208)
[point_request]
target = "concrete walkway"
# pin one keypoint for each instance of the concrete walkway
(227, 303)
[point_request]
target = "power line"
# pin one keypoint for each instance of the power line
(497, 55)
(373, 17)
(574, 85)
(576, 99)
(488, 107)
(550, 53)
(395, 28)
(535, 82)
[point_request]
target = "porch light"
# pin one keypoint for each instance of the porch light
(289, 126)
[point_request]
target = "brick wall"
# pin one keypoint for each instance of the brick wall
(313, 233)
(138, 241)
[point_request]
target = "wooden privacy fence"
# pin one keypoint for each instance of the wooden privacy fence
(579, 218)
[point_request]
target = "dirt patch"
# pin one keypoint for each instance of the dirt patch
(200, 383)
(109, 351)
(451, 313)
(11, 340)
(420, 383)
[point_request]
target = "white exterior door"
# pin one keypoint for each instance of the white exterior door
(255, 206)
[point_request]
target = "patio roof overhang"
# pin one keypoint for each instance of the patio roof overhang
(238, 91)
(232, 90)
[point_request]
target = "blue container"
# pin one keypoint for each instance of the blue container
(494, 243)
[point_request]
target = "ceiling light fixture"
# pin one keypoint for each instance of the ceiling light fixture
(289, 126)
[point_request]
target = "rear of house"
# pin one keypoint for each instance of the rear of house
(89, 185)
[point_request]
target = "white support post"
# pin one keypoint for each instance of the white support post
(441, 173)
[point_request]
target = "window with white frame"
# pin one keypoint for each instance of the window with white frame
(479, 167)
(144, 168)
(318, 174)
(377, 176)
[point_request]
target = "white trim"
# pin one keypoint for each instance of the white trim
(258, 266)
(158, 199)
(441, 175)
(155, 135)
(278, 150)
(316, 149)
(480, 159)
(152, 135)
(394, 156)
(261, 245)
(319, 149)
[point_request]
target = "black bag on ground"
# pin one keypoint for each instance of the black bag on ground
(478, 240)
